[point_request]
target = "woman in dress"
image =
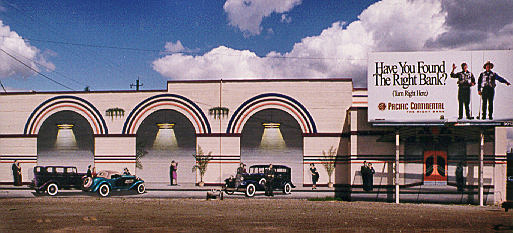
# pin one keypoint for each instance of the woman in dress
(174, 167)
(315, 175)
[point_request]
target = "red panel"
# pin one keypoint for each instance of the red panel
(435, 166)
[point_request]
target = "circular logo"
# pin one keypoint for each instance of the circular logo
(382, 106)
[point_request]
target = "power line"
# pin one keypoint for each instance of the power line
(13, 57)
(3, 86)
(99, 59)
(185, 53)
(54, 71)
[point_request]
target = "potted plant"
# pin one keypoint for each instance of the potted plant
(202, 161)
(139, 153)
(218, 112)
(329, 160)
(115, 112)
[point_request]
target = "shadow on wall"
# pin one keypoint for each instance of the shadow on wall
(273, 136)
(164, 136)
(65, 138)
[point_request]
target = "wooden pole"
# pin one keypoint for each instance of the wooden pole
(481, 158)
(397, 143)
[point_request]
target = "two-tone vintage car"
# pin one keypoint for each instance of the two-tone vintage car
(50, 179)
(106, 181)
(254, 181)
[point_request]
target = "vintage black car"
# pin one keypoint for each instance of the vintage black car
(255, 181)
(50, 179)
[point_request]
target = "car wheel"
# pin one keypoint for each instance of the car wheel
(262, 182)
(87, 182)
(141, 188)
(287, 188)
(250, 190)
(52, 189)
(104, 190)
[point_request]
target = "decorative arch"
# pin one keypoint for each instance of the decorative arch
(268, 101)
(61, 103)
(167, 101)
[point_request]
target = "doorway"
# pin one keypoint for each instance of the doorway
(435, 167)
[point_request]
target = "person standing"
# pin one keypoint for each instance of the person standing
(465, 81)
(315, 175)
(364, 172)
(370, 177)
(486, 88)
(238, 176)
(16, 173)
(172, 173)
(269, 180)
(89, 173)
(459, 177)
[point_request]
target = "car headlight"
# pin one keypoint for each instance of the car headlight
(242, 178)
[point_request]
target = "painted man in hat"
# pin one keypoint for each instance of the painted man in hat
(465, 81)
(486, 87)
(269, 180)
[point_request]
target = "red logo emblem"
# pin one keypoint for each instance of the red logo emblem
(382, 106)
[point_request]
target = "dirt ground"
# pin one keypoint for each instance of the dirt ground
(241, 215)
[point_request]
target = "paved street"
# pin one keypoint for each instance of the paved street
(84, 214)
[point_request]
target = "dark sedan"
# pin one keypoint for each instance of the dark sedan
(254, 180)
(50, 179)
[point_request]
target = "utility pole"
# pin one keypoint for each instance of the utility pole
(136, 85)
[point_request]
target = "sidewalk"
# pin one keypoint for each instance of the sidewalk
(161, 186)
(420, 189)
(417, 194)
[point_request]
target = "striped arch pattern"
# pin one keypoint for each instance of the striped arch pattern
(167, 101)
(271, 100)
(72, 103)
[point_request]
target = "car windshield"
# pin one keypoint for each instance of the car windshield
(107, 174)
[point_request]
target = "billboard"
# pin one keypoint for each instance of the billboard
(432, 87)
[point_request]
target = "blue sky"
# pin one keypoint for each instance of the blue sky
(200, 26)
(108, 44)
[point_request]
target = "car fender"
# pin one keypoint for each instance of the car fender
(134, 185)
(97, 185)
(42, 187)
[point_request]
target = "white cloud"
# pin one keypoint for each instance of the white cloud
(221, 62)
(177, 47)
(13, 44)
(174, 47)
(341, 49)
(248, 14)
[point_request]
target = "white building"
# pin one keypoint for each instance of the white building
(107, 128)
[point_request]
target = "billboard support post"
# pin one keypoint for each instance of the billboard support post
(397, 150)
(481, 157)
